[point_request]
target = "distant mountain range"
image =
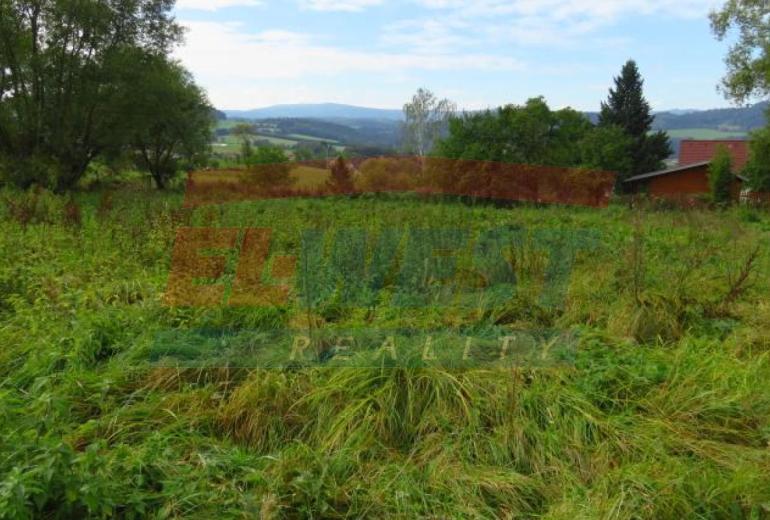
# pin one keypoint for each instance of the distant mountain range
(374, 127)
(723, 119)
(735, 120)
(328, 111)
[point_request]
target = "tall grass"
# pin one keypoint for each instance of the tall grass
(665, 414)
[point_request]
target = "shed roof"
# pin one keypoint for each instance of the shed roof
(694, 151)
(675, 169)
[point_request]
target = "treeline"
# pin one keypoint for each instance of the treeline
(741, 119)
(364, 133)
(92, 80)
(622, 141)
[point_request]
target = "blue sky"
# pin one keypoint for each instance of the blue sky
(255, 53)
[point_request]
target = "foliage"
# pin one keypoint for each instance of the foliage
(426, 119)
(720, 176)
(341, 179)
(267, 155)
(269, 165)
(309, 150)
(244, 132)
(534, 134)
(170, 117)
(375, 132)
(607, 148)
(528, 134)
(65, 67)
(758, 167)
(748, 61)
(627, 108)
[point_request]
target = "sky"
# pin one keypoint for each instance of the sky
(484, 53)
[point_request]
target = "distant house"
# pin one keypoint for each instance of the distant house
(690, 177)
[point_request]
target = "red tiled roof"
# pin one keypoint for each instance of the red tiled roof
(695, 151)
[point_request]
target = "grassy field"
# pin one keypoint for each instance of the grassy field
(232, 145)
(304, 177)
(305, 137)
(308, 177)
(704, 133)
(664, 413)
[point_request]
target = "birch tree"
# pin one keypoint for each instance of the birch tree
(426, 117)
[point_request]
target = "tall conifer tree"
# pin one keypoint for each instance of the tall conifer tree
(627, 108)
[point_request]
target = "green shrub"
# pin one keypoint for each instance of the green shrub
(721, 177)
(269, 167)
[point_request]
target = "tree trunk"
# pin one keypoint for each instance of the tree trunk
(160, 181)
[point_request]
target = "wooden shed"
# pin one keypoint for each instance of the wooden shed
(688, 181)
(690, 177)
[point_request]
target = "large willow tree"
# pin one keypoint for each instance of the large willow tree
(67, 68)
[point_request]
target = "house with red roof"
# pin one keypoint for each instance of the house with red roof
(689, 178)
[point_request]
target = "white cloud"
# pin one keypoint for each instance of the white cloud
(224, 48)
(240, 69)
(530, 22)
(339, 5)
(429, 35)
(442, 43)
(562, 9)
(215, 5)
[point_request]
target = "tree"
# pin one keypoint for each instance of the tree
(426, 118)
(627, 108)
(607, 148)
(720, 176)
(758, 167)
(568, 130)
(748, 60)
(528, 134)
(270, 166)
(341, 179)
(63, 69)
(244, 132)
(172, 120)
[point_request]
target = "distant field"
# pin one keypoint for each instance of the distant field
(228, 123)
(234, 143)
(280, 141)
(308, 177)
(704, 133)
(312, 138)
(304, 176)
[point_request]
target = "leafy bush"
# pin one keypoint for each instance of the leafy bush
(720, 176)
(758, 167)
(269, 167)
(36, 206)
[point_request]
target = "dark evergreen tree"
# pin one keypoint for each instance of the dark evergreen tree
(627, 108)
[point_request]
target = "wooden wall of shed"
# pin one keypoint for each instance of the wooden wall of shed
(684, 184)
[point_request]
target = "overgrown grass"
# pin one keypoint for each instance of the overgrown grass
(666, 413)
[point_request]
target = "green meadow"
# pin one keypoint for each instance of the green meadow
(705, 133)
(663, 413)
